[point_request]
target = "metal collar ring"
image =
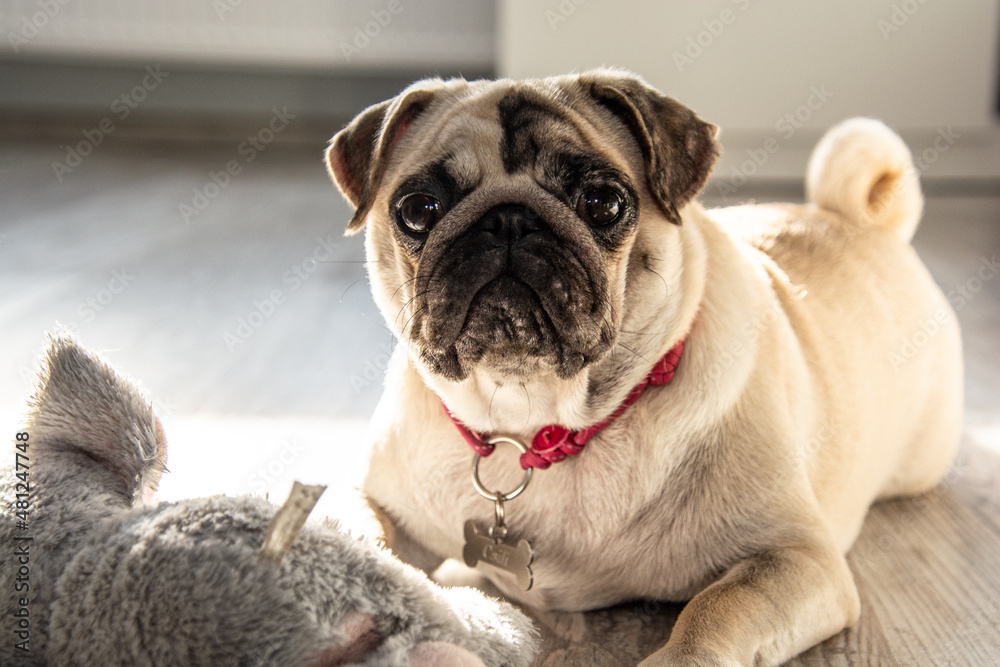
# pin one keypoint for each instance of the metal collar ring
(495, 495)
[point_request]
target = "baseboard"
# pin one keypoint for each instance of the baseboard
(62, 100)
(949, 159)
(162, 100)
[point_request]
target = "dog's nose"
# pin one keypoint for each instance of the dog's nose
(509, 223)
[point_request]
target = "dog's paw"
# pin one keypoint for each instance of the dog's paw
(669, 656)
(443, 654)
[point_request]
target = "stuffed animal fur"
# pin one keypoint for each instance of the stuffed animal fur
(109, 579)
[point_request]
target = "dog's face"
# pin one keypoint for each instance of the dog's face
(503, 215)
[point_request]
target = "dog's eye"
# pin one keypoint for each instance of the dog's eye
(600, 206)
(420, 212)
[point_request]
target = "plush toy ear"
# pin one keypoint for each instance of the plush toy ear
(83, 410)
(678, 148)
(358, 154)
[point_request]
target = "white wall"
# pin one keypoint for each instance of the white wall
(327, 34)
(229, 59)
(747, 64)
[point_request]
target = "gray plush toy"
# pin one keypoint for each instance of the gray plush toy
(92, 574)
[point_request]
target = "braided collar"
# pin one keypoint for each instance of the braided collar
(554, 442)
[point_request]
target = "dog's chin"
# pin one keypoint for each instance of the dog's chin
(506, 334)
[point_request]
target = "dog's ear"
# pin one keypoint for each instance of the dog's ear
(358, 154)
(83, 412)
(678, 148)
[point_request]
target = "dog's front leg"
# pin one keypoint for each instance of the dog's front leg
(764, 610)
(402, 544)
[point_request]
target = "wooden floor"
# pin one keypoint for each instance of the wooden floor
(928, 570)
(248, 320)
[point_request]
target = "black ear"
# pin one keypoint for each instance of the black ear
(357, 154)
(678, 148)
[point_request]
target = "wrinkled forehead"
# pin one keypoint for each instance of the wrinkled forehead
(498, 130)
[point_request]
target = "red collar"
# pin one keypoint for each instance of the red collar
(553, 443)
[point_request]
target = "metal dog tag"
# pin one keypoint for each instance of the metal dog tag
(492, 548)
(514, 559)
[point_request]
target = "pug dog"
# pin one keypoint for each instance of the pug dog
(685, 404)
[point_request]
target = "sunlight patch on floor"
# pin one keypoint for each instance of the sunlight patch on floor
(232, 455)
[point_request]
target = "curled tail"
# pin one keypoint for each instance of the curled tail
(863, 170)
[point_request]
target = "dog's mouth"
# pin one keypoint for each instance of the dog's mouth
(512, 312)
(507, 322)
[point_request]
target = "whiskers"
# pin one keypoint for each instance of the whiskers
(348, 288)
(411, 319)
(492, 407)
(413, 314)
(646, 264)
(635, 352)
